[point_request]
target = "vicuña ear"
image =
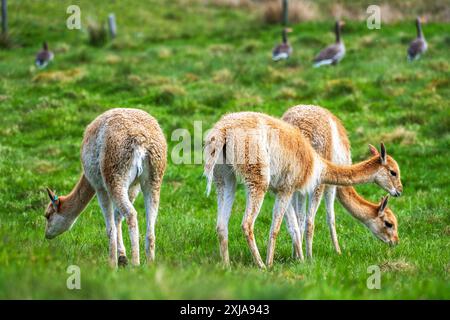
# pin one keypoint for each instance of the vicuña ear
(373, 150)
(53, 198)
(383, 205)
(51, 194)
(383, 154)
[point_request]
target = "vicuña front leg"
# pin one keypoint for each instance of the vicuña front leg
(111, 231)
(254, 201)
(299, 203)
(282, 202)
(294, 231)
(330, 195)
(314, 202)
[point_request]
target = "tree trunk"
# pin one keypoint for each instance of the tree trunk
(112, 25)
(285, 12)
(4, 18)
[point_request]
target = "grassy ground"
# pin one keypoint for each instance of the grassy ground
(194, 63)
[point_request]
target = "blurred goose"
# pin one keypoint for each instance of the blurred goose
(44, 56)
(284, 49)
(333, 53)
(418, 45)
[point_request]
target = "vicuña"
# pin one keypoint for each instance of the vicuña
(269, 153)
(123, 151)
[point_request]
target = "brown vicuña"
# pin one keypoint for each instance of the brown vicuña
(123, 150)
(270, 153)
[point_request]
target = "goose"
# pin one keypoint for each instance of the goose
(44, 56)
(419, 45)
(333, 53)
(284, 49)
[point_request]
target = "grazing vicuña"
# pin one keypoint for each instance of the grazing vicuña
(123, 150)
(270, 153)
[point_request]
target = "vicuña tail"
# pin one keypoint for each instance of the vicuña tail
(214, 143)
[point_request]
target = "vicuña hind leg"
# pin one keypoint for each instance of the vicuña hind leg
(314, 202)
(255, 199)
(121, 251)
(126, 209)
(282, 202)
(330, 195)
(151, 192)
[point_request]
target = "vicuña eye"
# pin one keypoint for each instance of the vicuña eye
(388, 225)
(393, 173)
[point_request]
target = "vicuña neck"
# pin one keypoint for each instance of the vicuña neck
(361, 172)
(75, 202)
(356, 205)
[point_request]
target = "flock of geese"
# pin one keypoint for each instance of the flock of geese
(334, 53)
(331, 55)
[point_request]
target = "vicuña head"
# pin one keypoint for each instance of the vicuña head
(63, 211)
(58, 218)
(384, 225)
(388, 175)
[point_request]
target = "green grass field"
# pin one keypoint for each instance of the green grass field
(186, 63)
